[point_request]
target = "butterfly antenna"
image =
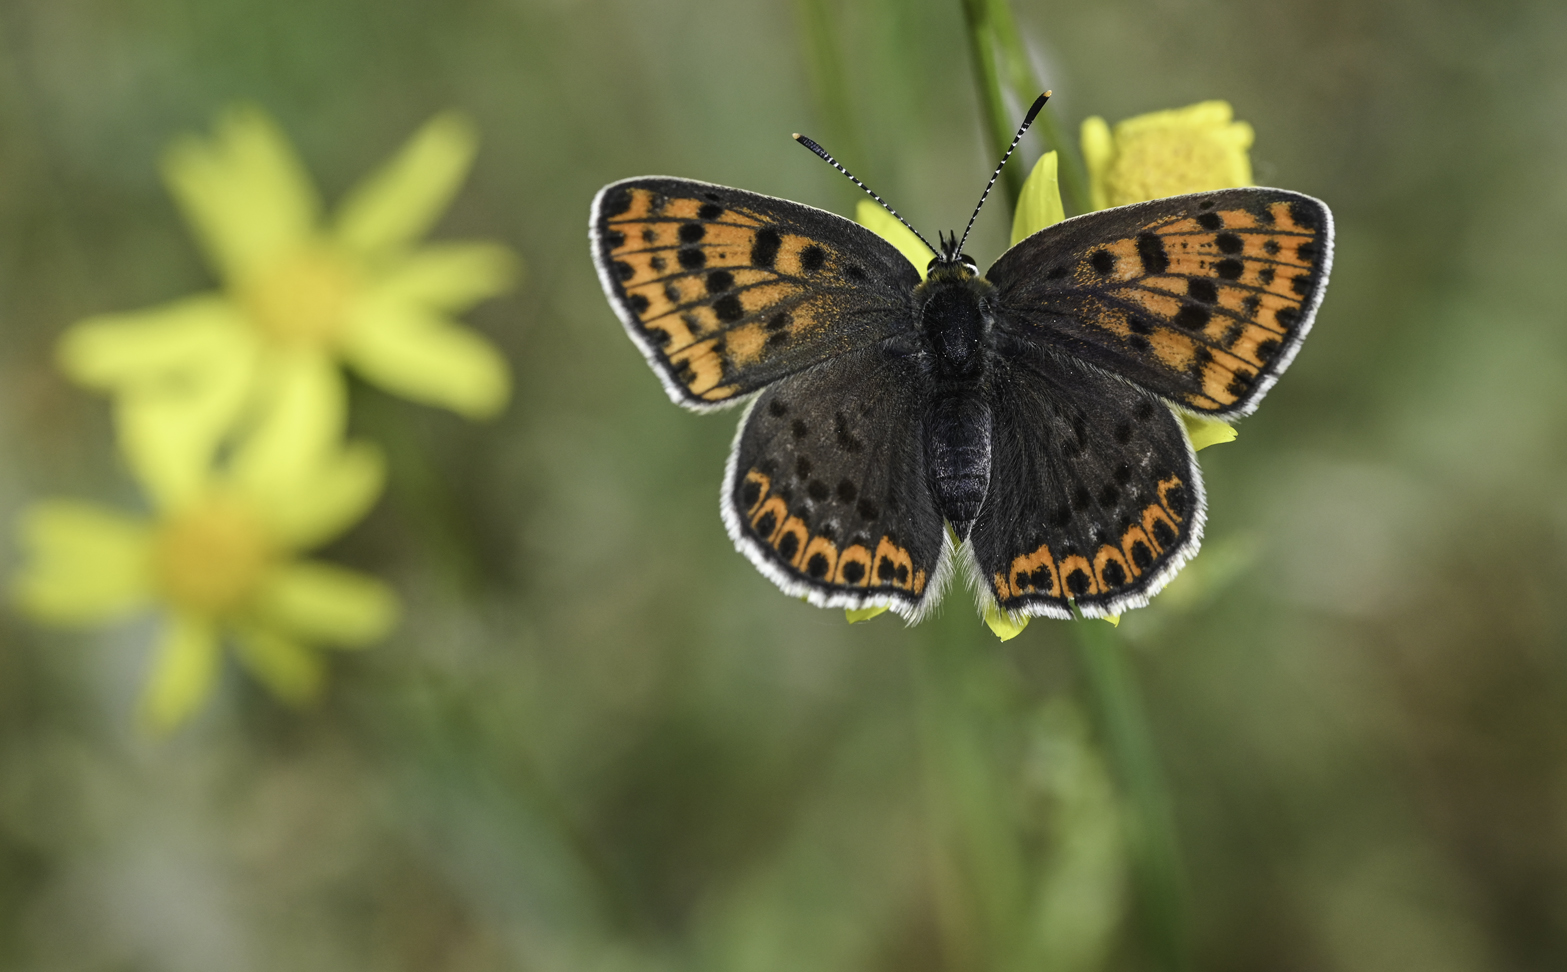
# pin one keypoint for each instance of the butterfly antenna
(1028, 119)
(822, 153)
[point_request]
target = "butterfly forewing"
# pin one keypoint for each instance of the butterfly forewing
(827, 490)
(1201, 299)
(726, 290)
(1094, 496)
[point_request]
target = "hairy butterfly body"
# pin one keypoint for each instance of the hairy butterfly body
(1028, 408)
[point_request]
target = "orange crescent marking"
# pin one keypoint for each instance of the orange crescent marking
(856, 554)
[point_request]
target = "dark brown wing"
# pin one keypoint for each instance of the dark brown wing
(1202, 299)
(828, 491)
(726, 291)
(1095, 495)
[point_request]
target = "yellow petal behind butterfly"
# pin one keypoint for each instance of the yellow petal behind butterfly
(1206, 432)
(1005, 626)
(1166, 153)
(886, 226)
(1039, 204)
(856, 615)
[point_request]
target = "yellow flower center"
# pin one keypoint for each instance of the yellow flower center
(1171, 162)
(302, 299)
(210, 558)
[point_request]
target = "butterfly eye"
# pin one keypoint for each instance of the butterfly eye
(968, 261)
(932, 265)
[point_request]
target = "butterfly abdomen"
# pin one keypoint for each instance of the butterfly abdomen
(954, 322)
(957, 449)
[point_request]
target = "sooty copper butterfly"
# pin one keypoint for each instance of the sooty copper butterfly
(1029, 408)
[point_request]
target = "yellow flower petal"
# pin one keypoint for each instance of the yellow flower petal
(1004, 625)
(302, 414)
(182, 373)
(856, 615)
(85, 564)
(244, 192)
(1167, 153)
(160, 348)
(169, 443)
(1114, 619)
(400, 203)
(290, 671)
(1098, 149)
(450, 277)
(1205, 432)
(886, 226)
(184, 669)
(428, 359)
(1039, 204)
(335, 496)
(321, 602)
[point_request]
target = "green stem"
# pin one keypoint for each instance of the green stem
(1150, 824)
(967, 712)
(829, 82)
(1026, 87)
(998, 125)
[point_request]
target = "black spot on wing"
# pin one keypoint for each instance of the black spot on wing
(728, 308)
(1202, 289)
(1192, 317)
(764, 249)
(1150, 249)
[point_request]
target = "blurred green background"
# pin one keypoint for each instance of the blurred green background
(601, 740)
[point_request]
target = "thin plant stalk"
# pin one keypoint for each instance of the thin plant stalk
(968, 714)
(1025, 84)
(829, 81)
(987, 78)
(1155, 853)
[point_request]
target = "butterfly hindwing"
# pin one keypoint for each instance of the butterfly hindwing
(1201, 299)
(827, 490)
(1095, 494)
(726, 290)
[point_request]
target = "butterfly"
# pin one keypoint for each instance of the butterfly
(1020, 425)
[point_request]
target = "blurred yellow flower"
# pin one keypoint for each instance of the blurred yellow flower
(1166, 153)
(218, 559)
(301, 296)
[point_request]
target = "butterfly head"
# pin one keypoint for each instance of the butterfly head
(951, 260)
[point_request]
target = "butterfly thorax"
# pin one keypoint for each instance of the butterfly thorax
(954, 319)
(954, 322)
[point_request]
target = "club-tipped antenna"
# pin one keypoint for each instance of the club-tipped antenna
(822, 153)
(1028, 119)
